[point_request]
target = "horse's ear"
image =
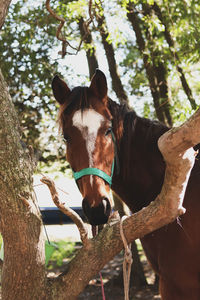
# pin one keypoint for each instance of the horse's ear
(60, 89)
(99, 85)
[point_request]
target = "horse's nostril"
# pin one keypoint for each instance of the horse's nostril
(98, 214)
(107, 206)
(85, 206)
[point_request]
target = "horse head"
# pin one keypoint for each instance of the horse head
(86, 124)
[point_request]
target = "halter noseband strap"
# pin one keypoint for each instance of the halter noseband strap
(95, 171)
(98, 172)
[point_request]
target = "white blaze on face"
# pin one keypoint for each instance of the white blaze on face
(88, 122)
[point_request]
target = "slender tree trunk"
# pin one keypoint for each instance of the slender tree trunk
(161, 74)
(110, 55)
(155, 7)
(156, 73)
(160, 71)
(90, 49)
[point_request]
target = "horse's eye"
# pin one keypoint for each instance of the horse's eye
(108, 131)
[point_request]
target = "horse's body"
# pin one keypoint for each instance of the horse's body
(174, 250)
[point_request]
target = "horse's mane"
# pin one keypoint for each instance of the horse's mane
(132, 129)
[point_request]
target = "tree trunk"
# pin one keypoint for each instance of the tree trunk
(90, 49)
(23, 274)
(156, 76)
(161, 75)
(3, 11)
(155, 7)
(160, 71)
(110, 55)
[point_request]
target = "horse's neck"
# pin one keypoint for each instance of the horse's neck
(141, 164)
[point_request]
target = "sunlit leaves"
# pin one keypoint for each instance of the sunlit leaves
(26, 64)
(29, 50)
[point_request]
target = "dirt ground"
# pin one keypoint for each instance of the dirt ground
(113, 291)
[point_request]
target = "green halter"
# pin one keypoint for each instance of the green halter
(96, 171)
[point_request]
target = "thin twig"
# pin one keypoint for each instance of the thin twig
(58, 32)
(60, 36)
(66, 210)
(63, 191)
(42, 184)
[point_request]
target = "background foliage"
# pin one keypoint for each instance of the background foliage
(162, 39)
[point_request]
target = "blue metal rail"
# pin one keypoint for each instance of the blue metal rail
(53, 216)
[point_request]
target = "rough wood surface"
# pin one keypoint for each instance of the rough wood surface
(23, 274)
(3, 11)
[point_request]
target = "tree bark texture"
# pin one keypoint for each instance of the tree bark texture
(20, 221)
(90, 49)
(3, 11)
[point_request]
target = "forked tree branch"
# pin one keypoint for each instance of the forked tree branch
(59, 34)
(179, 157)
(66, 210)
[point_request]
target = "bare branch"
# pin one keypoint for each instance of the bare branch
(59, 35)
(66, 210)
(58, 32)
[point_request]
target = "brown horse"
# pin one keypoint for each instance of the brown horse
(98, 131)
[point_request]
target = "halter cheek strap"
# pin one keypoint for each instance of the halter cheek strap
(98, 172)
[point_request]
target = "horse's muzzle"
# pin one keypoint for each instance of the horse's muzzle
(97, 215)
